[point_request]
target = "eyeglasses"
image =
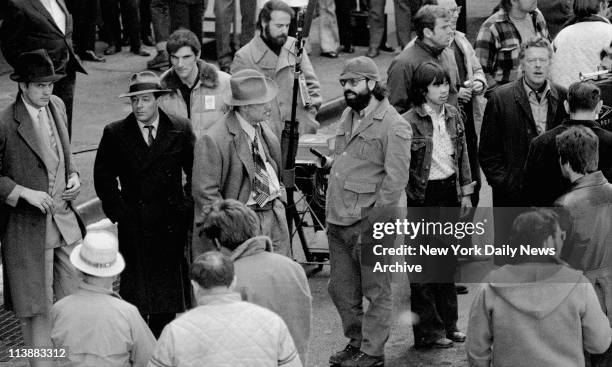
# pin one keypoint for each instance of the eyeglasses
(537, 60)
(455, 11)
(351, 82)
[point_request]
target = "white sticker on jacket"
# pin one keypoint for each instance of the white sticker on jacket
(209, 102)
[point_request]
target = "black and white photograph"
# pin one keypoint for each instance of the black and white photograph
(306, 183)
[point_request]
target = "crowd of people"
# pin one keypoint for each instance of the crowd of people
(194, 178)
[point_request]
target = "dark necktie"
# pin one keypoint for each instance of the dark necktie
(261, 182)
(150, 139)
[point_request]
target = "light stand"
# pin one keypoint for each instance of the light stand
(290, 136)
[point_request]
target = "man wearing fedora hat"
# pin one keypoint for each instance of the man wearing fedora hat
(38, 182)
(138, 176)
(240, 158)
(369, 173)
(95, 324)
(42, 24)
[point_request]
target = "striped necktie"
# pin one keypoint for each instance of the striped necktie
(44, 120)
(261, 181)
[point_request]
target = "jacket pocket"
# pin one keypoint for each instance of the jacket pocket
(370, 149)
(357, 195)
(418, 149)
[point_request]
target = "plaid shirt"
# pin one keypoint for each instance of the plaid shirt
(498, 45)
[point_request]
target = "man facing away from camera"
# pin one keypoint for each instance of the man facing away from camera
(264, 278)
(223, 329)
(96, 326)
(588, 205)
(544, 179)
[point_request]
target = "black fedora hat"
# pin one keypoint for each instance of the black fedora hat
(35, 66)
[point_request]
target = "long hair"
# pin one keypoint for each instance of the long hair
(426, 74)
(266, 12)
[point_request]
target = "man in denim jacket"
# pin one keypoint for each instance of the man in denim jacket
(370, 169)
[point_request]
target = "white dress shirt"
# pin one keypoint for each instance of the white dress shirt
(274, 186)
(56, 13)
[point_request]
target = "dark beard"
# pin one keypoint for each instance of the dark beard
(276, 41)
(358, 103)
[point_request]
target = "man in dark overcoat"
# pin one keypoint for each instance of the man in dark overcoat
(516, 113)
(38, 182)
(33, 24)
(147, 153)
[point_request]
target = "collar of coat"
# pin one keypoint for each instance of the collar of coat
(449, 111)
(592, 179)
(219, 298)
(520, 96)
(260, 48)
(209, 77)
(90, 288)
(429, 49)
(588, 123)
(252, 246)
(587, 18)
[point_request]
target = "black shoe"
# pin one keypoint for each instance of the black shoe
(348, 49)
(461, 289)
(159, 61)
(372, 52)
(438, 343)
(111, 50)
(330, 54)
(140, 52)
(362, 359)
(344, 355)
(385, 48)
(89, 55)
(456, 336)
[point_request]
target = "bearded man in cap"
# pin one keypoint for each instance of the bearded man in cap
(138, 175)
(38, 182)
(239, 158)
(95, 324)
(369, 170)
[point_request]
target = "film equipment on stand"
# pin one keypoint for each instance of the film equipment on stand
(290, 141)
(603, 79)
